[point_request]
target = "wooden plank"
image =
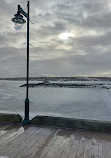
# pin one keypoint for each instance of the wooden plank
(19, 139)
(9, 139)
(26, 142)
(39, 142)
(59, 146)
(44, 152)
(106, 147)
(31, 152)
(100, 152)
(35, 138)
(31, 141)
(81, 148)
(15, 134)
(6, 139)
(3, 130)
(88, 146)
(72, 138)
(94, 149)
(19, 142)
(74, 149)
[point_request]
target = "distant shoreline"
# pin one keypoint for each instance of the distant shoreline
(60, 78)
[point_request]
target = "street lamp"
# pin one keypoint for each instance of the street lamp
(18, 19)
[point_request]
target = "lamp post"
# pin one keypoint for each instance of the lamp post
(18, 19)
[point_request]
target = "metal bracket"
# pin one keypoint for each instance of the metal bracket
(24, 13)
(20, 10)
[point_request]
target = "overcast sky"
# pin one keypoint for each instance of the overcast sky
(69, 37)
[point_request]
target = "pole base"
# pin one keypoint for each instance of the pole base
(26, 122)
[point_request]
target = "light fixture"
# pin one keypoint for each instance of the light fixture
(18, 19)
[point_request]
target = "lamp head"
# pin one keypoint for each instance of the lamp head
(18, 18)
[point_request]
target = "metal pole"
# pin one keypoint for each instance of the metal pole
(26, 119)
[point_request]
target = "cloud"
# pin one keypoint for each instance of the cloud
(85, 52)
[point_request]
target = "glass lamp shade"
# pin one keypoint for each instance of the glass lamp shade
(18, 19)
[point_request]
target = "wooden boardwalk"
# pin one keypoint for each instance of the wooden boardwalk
(18, 141)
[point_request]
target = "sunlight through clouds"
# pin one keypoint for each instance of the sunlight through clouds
(65, 36)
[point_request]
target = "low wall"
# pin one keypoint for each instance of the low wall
(72, 123)
(85, 124)
(10, 118)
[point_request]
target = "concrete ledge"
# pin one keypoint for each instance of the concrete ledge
(11, 118)
(94, 125)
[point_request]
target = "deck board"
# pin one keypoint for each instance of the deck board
(17, 141)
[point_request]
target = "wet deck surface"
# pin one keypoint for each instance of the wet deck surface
(17, 141)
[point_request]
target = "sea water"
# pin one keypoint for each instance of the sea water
(89, 103)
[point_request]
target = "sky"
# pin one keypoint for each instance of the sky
(67, 38)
